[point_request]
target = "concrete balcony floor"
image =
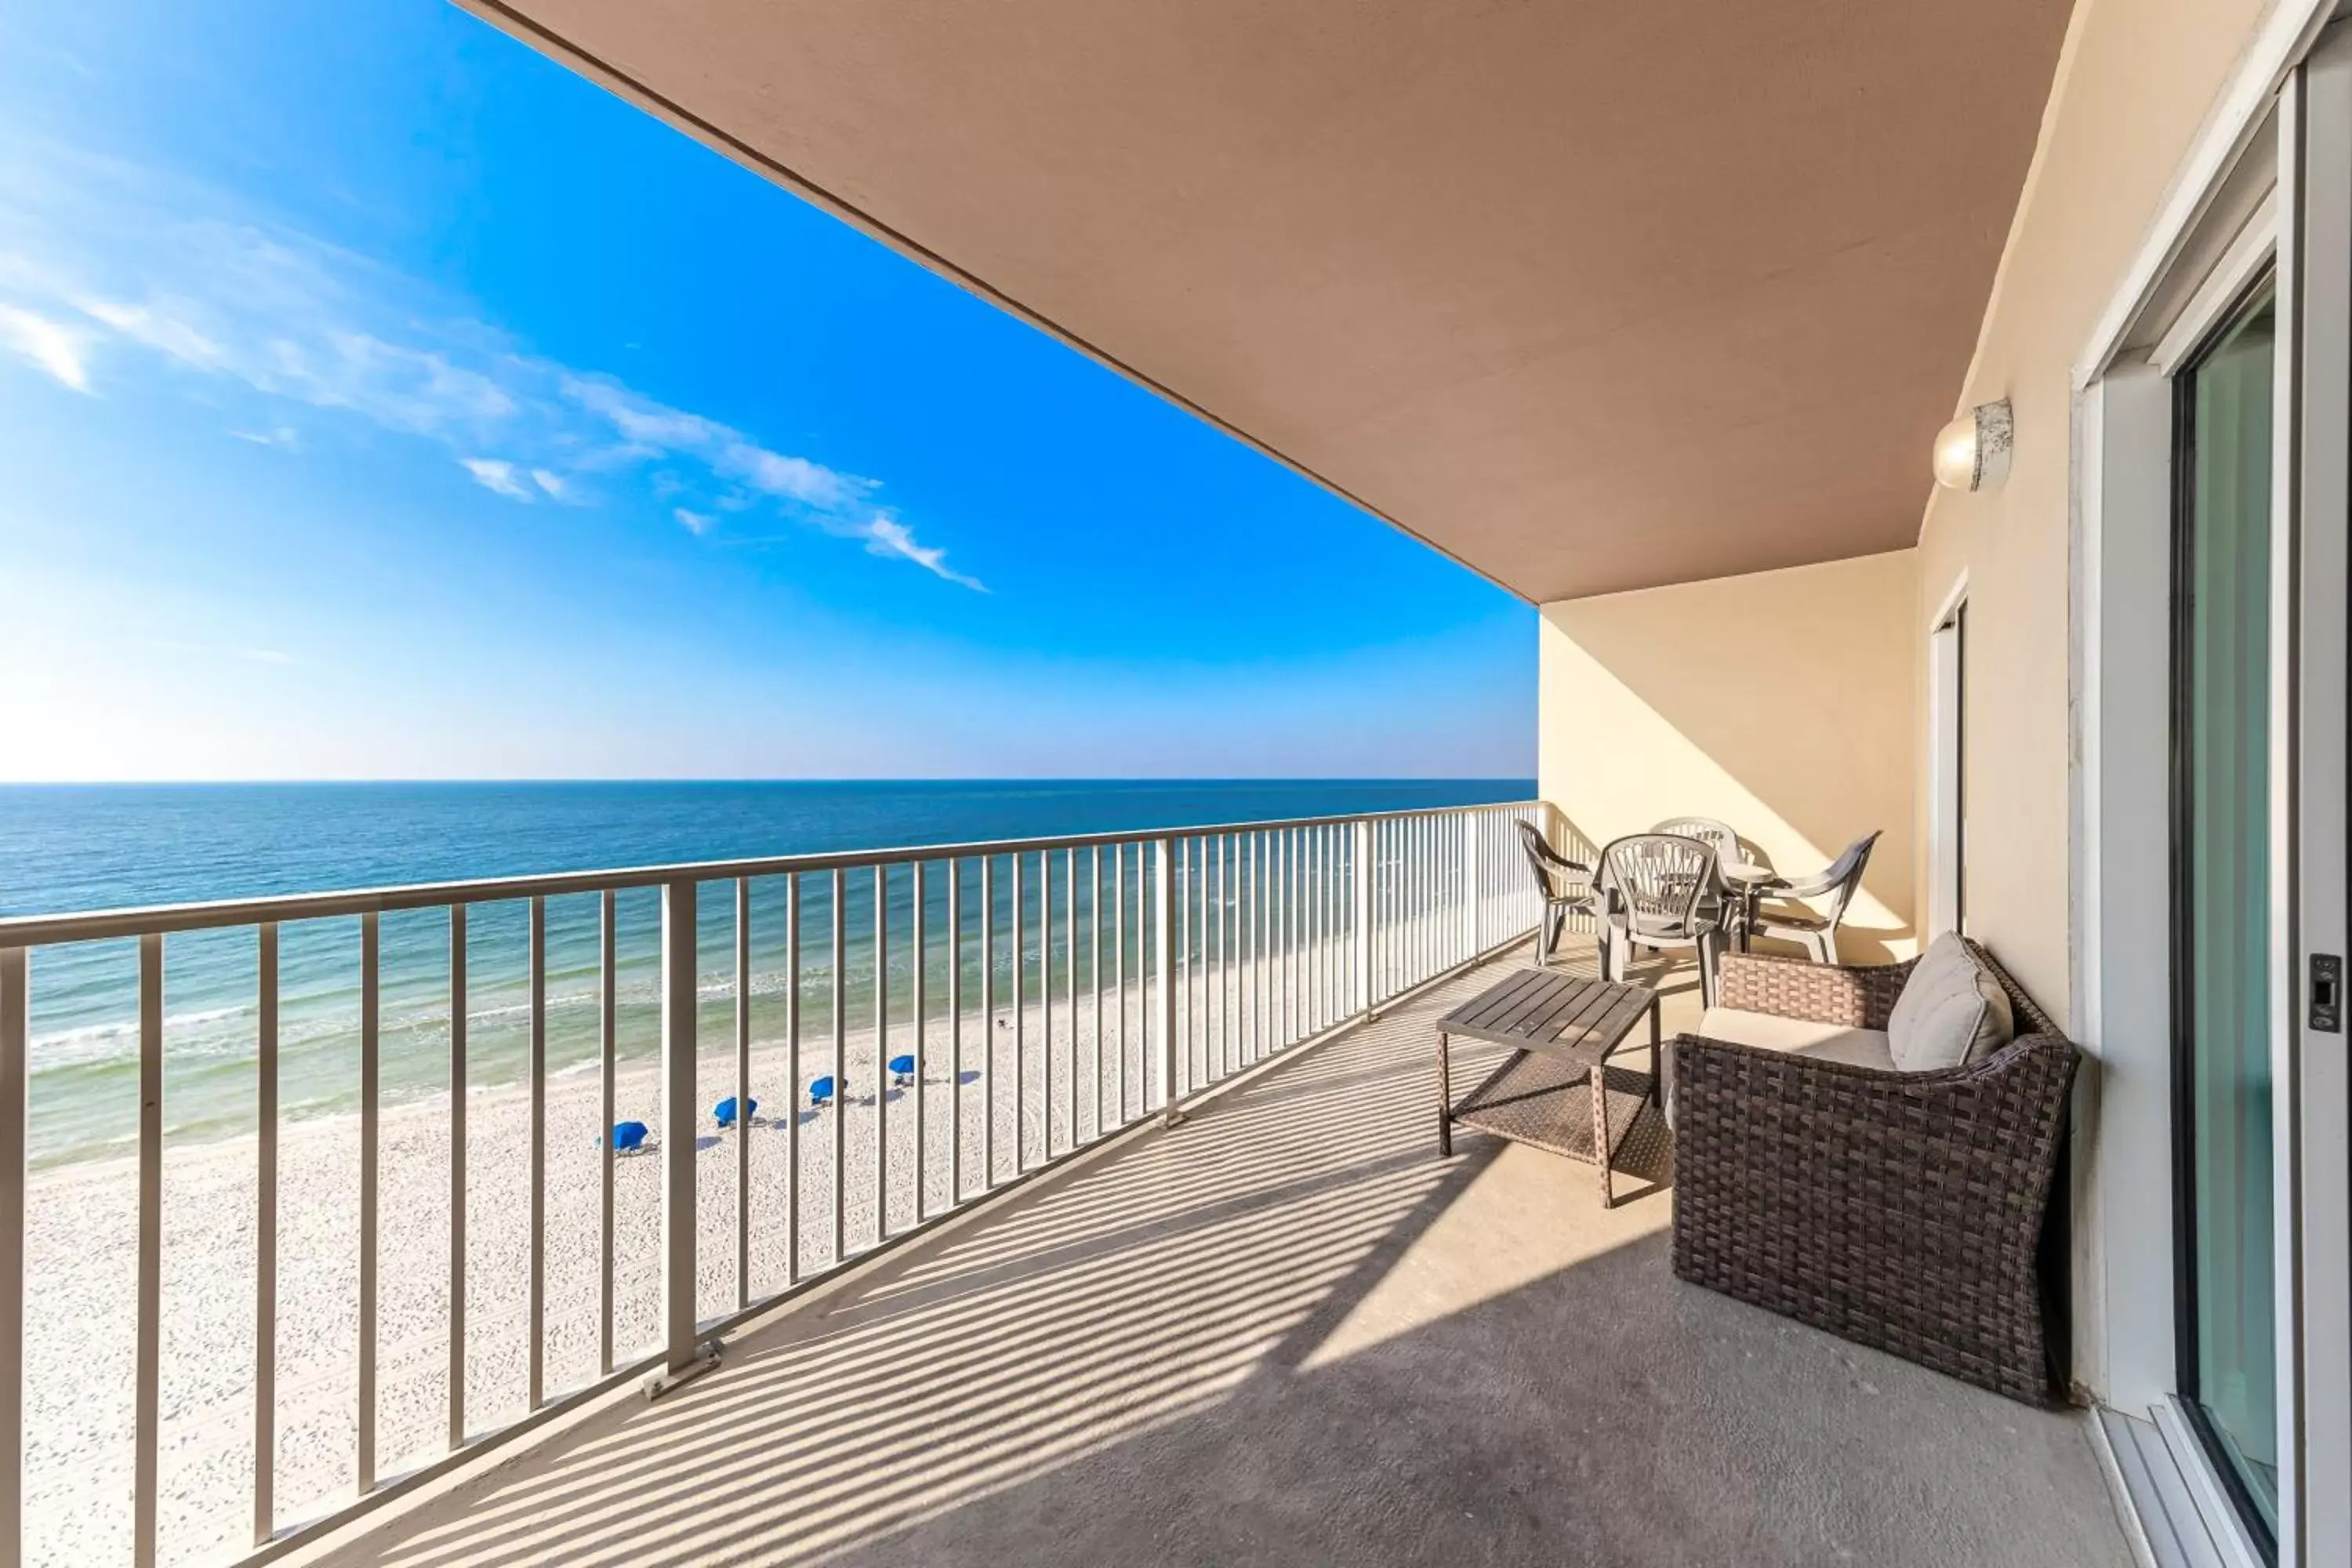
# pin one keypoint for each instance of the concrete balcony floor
(1288, 1332)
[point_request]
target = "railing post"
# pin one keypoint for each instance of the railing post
(1163, 972)
(1359, 875)
(15, 1040)
(682, 1358)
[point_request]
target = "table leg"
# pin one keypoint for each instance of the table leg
(1657, 1058)
(1601, 1132)
(1445, 1096)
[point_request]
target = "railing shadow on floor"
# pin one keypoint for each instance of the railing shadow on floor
(1288, 1332)
(1112, 1298)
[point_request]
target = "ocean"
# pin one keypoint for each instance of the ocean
(73, 848)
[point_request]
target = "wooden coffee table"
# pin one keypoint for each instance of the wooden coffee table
(1562, 1029)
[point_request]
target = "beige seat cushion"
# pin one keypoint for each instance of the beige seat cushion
(1951, 1011)
(1798, 1037)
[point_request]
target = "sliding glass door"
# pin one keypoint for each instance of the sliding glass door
(2224, 972)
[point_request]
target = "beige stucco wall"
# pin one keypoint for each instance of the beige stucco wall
(2135, 81)
(1779, 703)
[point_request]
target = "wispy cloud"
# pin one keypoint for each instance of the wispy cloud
(839, 503)
(886, 535)
(496, 474)
(103, 265)
(277, 435)
(55, 346)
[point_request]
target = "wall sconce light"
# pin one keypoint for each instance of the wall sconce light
(1972, 451)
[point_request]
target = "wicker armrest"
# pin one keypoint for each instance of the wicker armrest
(1900, 1210)
(1856, 996)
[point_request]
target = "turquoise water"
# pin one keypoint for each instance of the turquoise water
(98, 847)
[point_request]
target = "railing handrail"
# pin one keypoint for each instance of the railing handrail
(102, 925)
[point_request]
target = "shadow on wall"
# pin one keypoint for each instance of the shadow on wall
(1782, 702)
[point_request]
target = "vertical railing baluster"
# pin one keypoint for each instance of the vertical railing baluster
(1277, 986)
(456, 1431)
(535, 1286)
(1408, 895)
(921, 1048)
(987, 1022)
(681, 1356)
(1335, 924)
(1359, 870)
(1261, 947)
(1069, 993)
(149, 1372)
(1301, 990)
(608, 1029)
(1422, 901)
(881, 1054)
(840, 1030)
(1326, 882)
(1094, 971)
(1310, 934)
(1020, 1029)
(1311, 916)
(742, 1092)
(1196, 939)
(265, 1234)
(1213, 958)
(1119, 963)
(1245, 945)
(16, 1052)
(1201, 993)
(1271, 920)
(1045, 995)
(1311, 920)
(955, 1032)
(1163, 969)
(1246, 935)
(371, 1076)
(793, 1182)
(1226, 972)
(1182, 936)
(1290, 1030)
(1327, 907)
(1473, 878)
(1212, 955)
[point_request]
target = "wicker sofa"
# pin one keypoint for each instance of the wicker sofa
(1904, 1210)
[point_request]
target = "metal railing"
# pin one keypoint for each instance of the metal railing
(1006, 1003)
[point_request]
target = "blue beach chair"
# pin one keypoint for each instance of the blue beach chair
(724, 1112)
(628, 1137)
(902, 1071)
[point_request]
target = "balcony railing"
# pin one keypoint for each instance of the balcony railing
(984, 1012)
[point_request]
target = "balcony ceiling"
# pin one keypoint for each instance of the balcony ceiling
(1590, 297)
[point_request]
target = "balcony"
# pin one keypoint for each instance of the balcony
(1148, 1238)
(1285, 1331)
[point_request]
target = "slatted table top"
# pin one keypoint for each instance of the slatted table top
(1551, 1010)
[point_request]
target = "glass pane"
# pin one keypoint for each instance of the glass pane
(2225, 881)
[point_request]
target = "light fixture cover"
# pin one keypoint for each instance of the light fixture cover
(1973, 452)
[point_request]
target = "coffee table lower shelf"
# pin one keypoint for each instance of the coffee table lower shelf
(1546, 1103)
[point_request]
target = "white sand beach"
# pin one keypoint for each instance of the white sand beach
(81, 1257)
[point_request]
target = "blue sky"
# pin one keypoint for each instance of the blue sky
(379, 400)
